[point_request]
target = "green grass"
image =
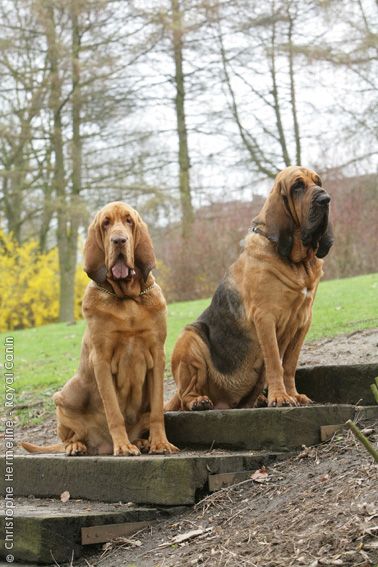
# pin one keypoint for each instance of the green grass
(47, 356)
(344, 306)
(179, 315)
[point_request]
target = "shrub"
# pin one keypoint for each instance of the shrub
(29, 285)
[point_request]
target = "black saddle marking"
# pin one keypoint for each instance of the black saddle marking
(220, 328)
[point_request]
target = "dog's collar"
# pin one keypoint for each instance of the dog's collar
(258, 230)
(126, 296)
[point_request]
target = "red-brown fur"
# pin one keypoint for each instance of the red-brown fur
(276, 294)
(117, 394)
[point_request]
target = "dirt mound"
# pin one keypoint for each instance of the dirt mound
(359, 347)
(318, 508)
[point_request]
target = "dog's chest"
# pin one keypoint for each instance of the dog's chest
(130, 318)
(296, 307)
(304, 298)
(307, 293)
(298, 294)
(301, 302)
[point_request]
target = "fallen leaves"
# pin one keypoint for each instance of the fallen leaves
(365, 508)
(261, 475)
(324, 477)
(182, 538)
(119, 542)
(65, 496)
(309, 453)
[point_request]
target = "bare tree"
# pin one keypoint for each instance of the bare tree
(271, 139)
(23, 91)
(183, 153)
(353, 63)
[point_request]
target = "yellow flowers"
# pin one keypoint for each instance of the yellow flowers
(29, 285)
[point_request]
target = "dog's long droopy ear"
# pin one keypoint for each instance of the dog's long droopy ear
(276, 220)
(144, 252)
(325, 242)
(94, 255)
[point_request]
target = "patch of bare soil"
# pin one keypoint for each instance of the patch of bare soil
(318, 508)
(41, 434)
(359, 347)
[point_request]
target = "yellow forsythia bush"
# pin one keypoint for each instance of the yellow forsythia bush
(29, 285)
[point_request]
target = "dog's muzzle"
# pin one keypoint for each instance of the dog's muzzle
(322, 199)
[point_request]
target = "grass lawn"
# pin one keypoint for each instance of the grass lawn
(47, 356)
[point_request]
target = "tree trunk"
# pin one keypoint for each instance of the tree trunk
(293, 99)
(17, 164)
(184, 162)
(258, 156)
(74, 208)
(66, 204)
(48, 202)
(276, 101)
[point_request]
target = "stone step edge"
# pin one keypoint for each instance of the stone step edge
(153, 481)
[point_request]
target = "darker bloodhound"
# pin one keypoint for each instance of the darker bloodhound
(251, 335)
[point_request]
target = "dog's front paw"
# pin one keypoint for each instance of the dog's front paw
(161, 447)
(125, 449)
(279, 399)
(302, 400)
(201, 403)
(75, 449)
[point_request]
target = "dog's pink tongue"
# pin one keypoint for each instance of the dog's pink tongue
(120, 270)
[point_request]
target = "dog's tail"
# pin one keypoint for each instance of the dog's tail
(58, 448)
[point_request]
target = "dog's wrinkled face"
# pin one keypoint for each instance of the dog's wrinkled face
(307, 202)
(117, 226)
(296, 214)
(118, 246)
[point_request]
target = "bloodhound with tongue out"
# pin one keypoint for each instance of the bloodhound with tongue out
(114, 403)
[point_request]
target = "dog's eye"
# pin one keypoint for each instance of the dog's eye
(129, 221)
(106, 223)
(298, 186)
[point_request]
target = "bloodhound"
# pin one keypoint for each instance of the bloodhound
(252, 333)
(116, 397)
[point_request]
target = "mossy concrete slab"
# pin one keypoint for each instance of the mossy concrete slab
(44, 533)
(150, 479)
(269, 429)
(338, 384)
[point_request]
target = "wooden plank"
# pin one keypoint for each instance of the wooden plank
(328, 431)
(107, 532)
(218, 481)
(258, 429)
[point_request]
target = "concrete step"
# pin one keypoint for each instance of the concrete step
(149, 479)
(269, 429)
(48, 530)
(338, 384)
(45, 530)
(251, 438)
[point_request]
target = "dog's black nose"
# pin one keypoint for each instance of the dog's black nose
(323, 199)
(118, 240)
